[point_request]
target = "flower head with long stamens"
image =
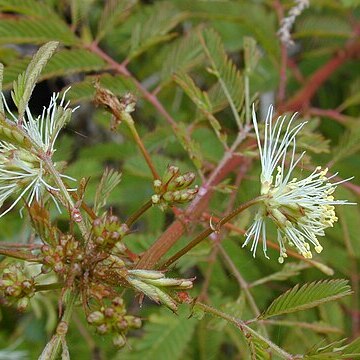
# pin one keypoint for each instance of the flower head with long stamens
(300, 209)
(22, 171)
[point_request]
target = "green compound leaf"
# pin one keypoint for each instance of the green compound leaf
(336, 350)
(223, 68)
(289, 270)
(182, 55)
(307, 296)
(258, 348)
(115, 12)
(35, 32)
(26, 82)
(110, 179)
(153, 27)
(165, 337)
(64, 62)
(31, 8)
(201, 100)
(199, 97)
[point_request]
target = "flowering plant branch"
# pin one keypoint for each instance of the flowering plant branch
(91, 264)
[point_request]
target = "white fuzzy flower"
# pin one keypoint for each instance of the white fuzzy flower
(300, 209)
(22, 171)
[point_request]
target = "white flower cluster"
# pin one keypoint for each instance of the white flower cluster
(300, 209)
(22, 171)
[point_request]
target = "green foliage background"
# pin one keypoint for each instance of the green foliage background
(168, 47)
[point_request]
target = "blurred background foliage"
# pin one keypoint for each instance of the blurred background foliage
(162, 51)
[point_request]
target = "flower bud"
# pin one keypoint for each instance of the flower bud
(158, 186)
(118, 302)
(119, 341)
(155, 199)
(102, 329)
(121, 325)
(169, 174)
(134, 322)
(95, 318)
(22, 304)
(182, 181)
(109, 312)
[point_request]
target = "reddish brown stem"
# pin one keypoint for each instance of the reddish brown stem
(330, 113)
(17, 254)
(204, 234)
(304, 95)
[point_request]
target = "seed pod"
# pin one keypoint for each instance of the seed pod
(146, 274)
(95, 318)
(119, 341)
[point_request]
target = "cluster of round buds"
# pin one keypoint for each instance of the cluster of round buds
(16, 287)
(108, 232)
(64, 257)
(174, 188)
(114, 320)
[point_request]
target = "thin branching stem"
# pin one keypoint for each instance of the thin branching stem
(245, 329)
(243, 285)
(130, 123)
(55, 174)
(136, 215)
(211, 229)
(46, 287)
(70, 303)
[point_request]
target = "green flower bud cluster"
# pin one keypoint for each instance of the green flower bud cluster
(16, 287)
(174, 188)
(66, 256)
(114, 320)
(108, 232)
(155, 285)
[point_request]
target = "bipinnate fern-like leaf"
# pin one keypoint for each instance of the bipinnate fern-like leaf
(336, 350)
(110, 179)
(223, 68)
(26, 82)
(154, 27)
(64, 62)
(35, 31)
(114, 12)
(31, 8)
(349, 144)
(165, 337)
(201, 100)
(182, 55)
(307, 296)
(287, 271)
(199, 97)
(258, 348)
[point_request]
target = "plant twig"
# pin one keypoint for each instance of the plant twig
(204, 234)
(244, 328)
(21, 255)
(136, 215)
(314, 82)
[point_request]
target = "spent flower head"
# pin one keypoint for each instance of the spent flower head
(300, 209)
(24, 142)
